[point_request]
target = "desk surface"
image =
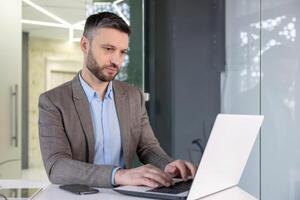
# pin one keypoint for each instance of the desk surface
(52, 191)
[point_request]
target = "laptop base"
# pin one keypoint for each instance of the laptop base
(150, 195)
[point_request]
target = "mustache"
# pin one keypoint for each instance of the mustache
(112, 65)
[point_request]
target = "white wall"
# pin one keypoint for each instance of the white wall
(10, 66)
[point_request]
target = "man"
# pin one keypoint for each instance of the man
(91, 127)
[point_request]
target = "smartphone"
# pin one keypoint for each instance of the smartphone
(79, 189)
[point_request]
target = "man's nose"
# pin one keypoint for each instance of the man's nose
(117, 59)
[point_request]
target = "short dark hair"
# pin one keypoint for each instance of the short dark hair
(104, 20)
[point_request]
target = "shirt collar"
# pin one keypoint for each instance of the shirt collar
(91, 93)
(109, 91)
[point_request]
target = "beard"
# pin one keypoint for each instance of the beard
(97, 70)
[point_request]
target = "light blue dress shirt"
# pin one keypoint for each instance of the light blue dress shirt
(108, 146)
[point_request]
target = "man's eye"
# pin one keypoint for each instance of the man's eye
(108, 49)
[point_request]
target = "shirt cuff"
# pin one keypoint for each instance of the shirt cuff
(113, 173)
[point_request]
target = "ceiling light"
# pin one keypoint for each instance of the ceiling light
(41, 23)
(46, 12)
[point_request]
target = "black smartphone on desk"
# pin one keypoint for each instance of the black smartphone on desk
(79, 189)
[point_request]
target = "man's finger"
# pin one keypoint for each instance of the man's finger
(182, 168)
(153, 169)
(157, 175)
(161, 173)
(148, 182)
(172, 170)
(160, 178)
(191, 168)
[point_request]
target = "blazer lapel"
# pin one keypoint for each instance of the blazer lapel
(83, 111)
(122, 104)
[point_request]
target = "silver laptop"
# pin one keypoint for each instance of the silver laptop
(222, 164)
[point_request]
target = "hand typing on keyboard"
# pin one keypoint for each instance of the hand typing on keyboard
(147, 175)
(151, 176)
(181, 168)
(177, 188)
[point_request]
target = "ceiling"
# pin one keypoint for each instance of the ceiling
(71, 11)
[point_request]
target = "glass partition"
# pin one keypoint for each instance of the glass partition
(241, 79)
(280, 138)
(262, 77)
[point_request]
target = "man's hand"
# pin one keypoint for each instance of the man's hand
(146, 175)
(181, 168)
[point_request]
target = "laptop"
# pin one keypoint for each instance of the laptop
(222, 164)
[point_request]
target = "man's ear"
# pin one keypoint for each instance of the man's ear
(84, 44)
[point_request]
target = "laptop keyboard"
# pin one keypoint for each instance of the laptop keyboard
(175, 189)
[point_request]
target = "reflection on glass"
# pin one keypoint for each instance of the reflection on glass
(284, 26)
(119, 7)
(279, 150)
(241, 80)
(19, 193)
(262, 76)
(280, 153)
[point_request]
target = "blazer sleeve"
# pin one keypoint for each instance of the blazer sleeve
(149, 150)
(57, 154)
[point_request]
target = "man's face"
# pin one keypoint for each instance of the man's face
(106, 52)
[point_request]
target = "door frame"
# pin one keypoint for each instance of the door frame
(59, 65)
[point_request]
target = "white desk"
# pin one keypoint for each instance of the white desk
(51, 192)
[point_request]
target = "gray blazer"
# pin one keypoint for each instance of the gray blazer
(67, 139)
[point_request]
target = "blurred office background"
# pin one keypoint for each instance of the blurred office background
(193, 59)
